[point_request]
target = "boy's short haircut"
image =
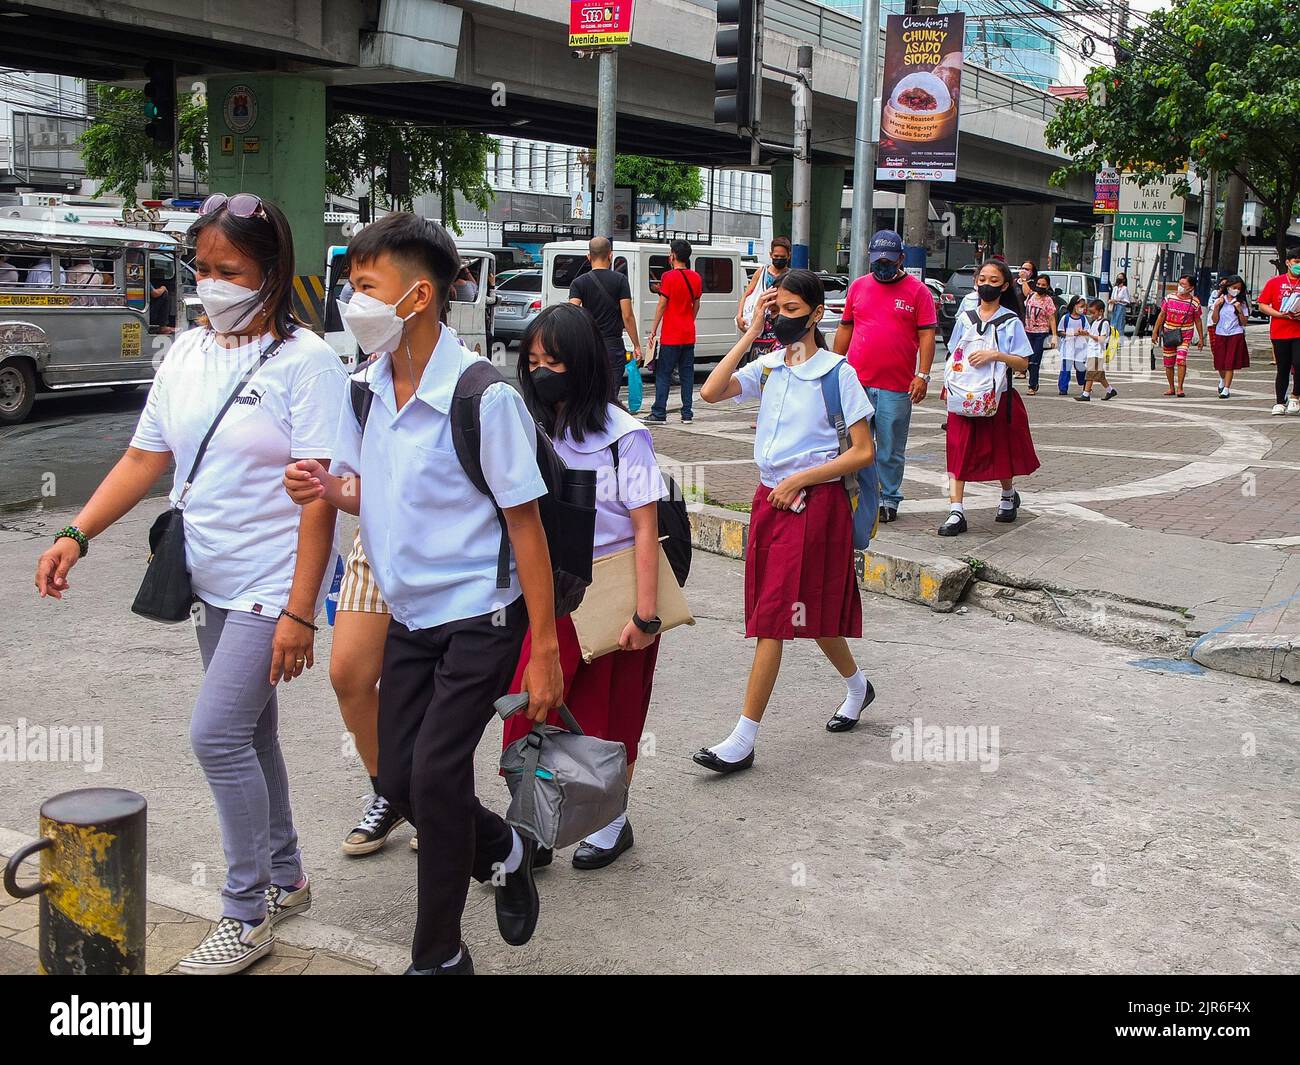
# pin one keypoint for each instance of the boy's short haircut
(418, 246)
(1096, 305)
(1293, 252)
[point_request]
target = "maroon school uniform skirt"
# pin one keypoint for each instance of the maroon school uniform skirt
(610, 696)
(799, 581)
(991, 449)
(1230, 352)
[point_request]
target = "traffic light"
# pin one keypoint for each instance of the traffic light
(160, 102)
(735, 67)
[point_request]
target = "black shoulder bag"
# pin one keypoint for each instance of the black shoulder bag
(166, 593)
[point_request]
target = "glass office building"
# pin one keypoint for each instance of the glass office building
(1000, 35)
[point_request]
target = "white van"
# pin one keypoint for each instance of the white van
(469, 312)
(643, 262)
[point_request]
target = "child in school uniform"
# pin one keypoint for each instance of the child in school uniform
(1099, 332)
(563, 375)
(432, 540)
(799, 580)
(1073, 332)
(997, 447)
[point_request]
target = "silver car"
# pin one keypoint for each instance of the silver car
(519, 301)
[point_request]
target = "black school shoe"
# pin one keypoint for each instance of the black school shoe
(517, 903)
(839, 723)
(464, 967)
(1009, 515)
(709, 760)
(887, 514)
(953, 528)
(589, 856)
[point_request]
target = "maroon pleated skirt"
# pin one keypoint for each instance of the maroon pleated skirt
(799, 580)
(610, 696)
(1230, 352)
(992, 449)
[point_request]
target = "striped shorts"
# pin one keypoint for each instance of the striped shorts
(358, 590)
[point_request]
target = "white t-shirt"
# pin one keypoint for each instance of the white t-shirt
(794, 432)
(1119, 294)
(1074, 349)
(241, 528)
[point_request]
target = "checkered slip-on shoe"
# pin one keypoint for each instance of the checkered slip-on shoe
(374, 828)
(229, 948)
(282, 902)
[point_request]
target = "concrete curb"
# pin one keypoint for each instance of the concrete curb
(935, 581)
(1267, 656)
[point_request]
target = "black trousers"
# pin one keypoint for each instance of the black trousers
(435, 699)
(617, 365)
(1287, 353)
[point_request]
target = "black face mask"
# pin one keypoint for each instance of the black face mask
(990, 293)
(551, 387)
(780, 264)
(884, 270)
(1042, 291)
(788, 330)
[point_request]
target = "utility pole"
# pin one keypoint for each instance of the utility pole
(1205, 238)
(602, 213)
(801, 194)
(864, 148)
(712, 171)
(916, 194)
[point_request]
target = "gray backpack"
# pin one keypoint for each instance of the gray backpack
(564, 785)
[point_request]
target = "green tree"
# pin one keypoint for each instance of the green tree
(117, 153)
(443, 161)
(675, 185)
(1213, 83)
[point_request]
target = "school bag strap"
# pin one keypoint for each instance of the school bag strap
(686, 280)
(361, 394)
(830, 384)
(467, 440)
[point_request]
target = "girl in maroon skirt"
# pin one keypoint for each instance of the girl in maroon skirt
(1229, 315)
(564, 376)
(997, 447)
(799, 580)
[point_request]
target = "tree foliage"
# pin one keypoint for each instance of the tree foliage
(677, 186)
(117, 152)
(443, 161)
(1213, 83)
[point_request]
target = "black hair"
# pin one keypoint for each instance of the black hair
(418, 245)
(1073, 303)
(1033, 270)
(809, 288)
(1096, 305)
(1293, 252)
(267, 239)
(681, 251)
(1121, 278)
(569, 334)
(1187, 277)
(1236, 279)
(1010, 296)
(781, 242)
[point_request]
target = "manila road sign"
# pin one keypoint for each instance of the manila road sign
(1149, 228)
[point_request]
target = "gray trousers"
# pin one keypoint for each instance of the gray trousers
(234, 733)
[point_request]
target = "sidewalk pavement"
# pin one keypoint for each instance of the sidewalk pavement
(1081, 809)
(1191, 505)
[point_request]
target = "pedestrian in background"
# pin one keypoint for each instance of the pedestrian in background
(562, 377)
(1280, 301)
(257, 562)
(1072, 333)
(761, 282)
(887, 333)
(998, 447)
(604, 293)
(680, 290)
(799, 581)
(1119, 301)
(1099, 333)
(1229, 314)
(1179, 317)
(1040, 325)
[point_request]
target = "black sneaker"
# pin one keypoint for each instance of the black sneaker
(374, 828)
(654, 419)
(464, 967)
(516, 900)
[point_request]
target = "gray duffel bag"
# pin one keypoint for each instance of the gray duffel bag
(564, 785)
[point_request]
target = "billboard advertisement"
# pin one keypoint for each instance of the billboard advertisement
(599, 23)
(920, 98)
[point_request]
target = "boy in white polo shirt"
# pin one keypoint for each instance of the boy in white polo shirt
(432, 540)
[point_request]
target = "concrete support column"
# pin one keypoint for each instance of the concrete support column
(827, 195)
(266, 135)
(1027, 233)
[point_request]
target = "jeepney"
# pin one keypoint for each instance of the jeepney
(78, 307)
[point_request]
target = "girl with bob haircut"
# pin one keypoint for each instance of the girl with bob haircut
(799, 580)
(564, 375)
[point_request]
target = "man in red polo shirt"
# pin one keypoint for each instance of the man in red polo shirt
(680, 289)
(887, 332)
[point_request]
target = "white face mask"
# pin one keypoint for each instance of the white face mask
(1234, 292)
(374, 323)
(230, 308)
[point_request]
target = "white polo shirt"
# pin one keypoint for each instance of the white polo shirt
(241, 529)
(794, 431)
(431, 537)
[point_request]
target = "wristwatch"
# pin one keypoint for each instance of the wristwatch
(651, 627)
(924, 377)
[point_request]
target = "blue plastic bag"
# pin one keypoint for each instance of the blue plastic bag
(635, 393)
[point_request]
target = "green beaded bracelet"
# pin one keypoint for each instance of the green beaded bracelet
(73, 533)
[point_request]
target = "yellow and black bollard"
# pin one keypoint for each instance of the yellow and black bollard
(92, 882)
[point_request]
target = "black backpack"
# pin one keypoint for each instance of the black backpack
(674, 524)
(568, 509)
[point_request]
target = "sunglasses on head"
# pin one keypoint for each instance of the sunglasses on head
(241, 205)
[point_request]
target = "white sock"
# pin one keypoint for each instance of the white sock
(516, 853)
(1220, 383)
(1227, 391)
(955, 511)
(1008, 500)
(740, 743)
(608, 836)
(452, 961)
(857, 691)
